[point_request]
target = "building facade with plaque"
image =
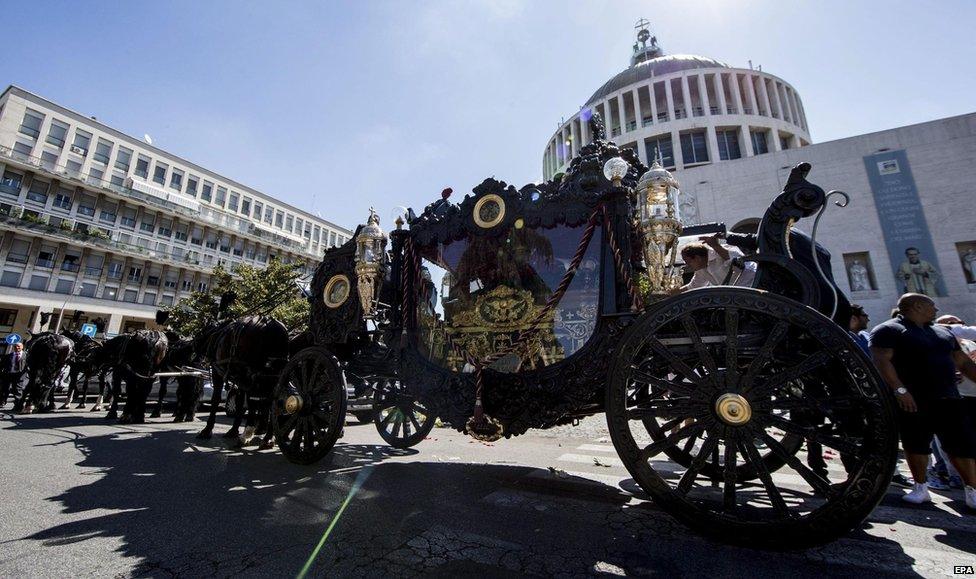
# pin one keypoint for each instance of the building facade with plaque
(911, 221)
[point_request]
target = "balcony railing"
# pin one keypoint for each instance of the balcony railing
(93, 271)
(17, 257)
(205, 214)
(70, 266)
(44, 263)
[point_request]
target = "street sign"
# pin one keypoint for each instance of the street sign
(89, 330)
(13, 339)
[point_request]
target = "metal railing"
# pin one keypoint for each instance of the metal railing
(206, 214)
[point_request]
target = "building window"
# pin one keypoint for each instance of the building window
(159, 173)
(10, 279)
(784, 143)
(332, 239)
(63, 199)
(117, 180)
(142, 167)
(202, 286)
(246, 206)
(31, 125)
(95, 175)
(11, 182)
(233, 202)
(110, 293)
(82, 142)
(38, 282)
(149, 298)
(166, 300)
(279, 219)
(87, 290)
(176, 180)
(48, 160)
(207, 192)
(165, 228)
(191, 187)
(7, 319)
(108, 214)
(660, 146)
(128, 218)
(130, 296)
(64, 286)
(135, 274)
(759, 144)
(123, 158)
(268, 214)
(57, 134)
(728, 145)
(22, 151)
(148, 223)
(694, 148)
(181, 231)
(103, 151)
(289, 220)
(317, 234)
(38, 192)
(221, 196)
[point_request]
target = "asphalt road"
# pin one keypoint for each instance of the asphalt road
(81, 497)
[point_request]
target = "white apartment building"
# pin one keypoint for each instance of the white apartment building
(96, 225)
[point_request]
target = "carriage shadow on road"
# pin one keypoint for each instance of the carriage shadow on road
(179, 507)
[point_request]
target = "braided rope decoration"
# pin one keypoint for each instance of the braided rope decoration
(623, 268)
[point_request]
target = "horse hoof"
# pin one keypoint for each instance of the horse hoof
(80, 407)
(232, 434)
(95, 409)
(205, 434)
(154, 414)
(63, 407)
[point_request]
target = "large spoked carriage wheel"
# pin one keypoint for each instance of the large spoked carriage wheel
(401, 419)
(711, 397)
(309, 406)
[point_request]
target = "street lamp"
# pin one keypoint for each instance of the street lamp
(657, 203)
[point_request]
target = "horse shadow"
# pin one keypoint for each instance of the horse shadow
(177, 507)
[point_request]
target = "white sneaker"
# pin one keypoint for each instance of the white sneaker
(970, 497)
(920, 494)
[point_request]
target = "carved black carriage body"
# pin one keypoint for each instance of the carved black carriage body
(521, 308)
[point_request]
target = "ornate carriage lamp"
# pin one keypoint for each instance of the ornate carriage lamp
(657, 203)
(370, 256)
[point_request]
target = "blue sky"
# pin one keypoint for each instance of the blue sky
(336, 106)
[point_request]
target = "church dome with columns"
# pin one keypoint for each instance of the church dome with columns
(686, 110)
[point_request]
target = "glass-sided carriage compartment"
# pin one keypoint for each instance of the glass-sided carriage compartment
(478, 294)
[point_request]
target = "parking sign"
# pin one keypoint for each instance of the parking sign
(89, 330)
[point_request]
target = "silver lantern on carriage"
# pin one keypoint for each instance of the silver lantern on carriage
(657, 202)
(370, 257)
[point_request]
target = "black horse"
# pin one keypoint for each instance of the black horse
(47, 355)
(83, 365)
(249, 352)
(181, 356)
(134, 358)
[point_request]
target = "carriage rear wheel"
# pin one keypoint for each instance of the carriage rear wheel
(747, 373)
(401, 419)
(309, 406)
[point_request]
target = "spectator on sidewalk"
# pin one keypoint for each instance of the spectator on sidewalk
(918, 360)
(857, 327)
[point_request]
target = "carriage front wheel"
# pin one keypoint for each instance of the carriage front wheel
(401, 419)
(719, 382)
(309, 406)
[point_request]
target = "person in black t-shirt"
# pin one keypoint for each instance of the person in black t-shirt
(919, 360)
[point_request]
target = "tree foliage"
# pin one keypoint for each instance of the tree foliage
(270, 291)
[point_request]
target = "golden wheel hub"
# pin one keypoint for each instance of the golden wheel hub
(733, 409)
(293, 404)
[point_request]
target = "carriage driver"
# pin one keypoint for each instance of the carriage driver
(715, 264)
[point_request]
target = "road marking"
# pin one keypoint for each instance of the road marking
(588, 459)
(597, 448)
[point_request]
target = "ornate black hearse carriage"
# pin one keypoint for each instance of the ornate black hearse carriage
(534, 307)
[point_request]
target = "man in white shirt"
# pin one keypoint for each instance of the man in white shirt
(713, 265)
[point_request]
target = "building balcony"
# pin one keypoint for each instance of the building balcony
(150, 195)
(93, 237)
